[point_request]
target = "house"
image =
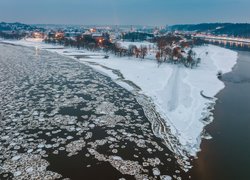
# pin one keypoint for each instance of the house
(38, 35)
(99, 38)
(59, 35)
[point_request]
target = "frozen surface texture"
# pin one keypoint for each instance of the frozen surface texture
(54, 109)
(178, 93)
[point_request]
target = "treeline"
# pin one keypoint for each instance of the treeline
(172, 49)
(12, 35)
(137, 36)
(230, 29)
(16, 30)
(197, 27)
(17, 27)
(79, 42)
(236, 30)
(91, 44)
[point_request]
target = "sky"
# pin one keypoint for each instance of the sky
(124, 12)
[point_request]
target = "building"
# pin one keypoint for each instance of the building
(98, 37)
(59, 35)
(37, 35)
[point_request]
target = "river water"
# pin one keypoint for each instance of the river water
(61, 119)
(227, 155)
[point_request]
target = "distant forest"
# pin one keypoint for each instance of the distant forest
(230, 29)
(16, 27)
(137, 36)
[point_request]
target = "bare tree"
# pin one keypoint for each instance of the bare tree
(161, 44)
(144, 51)
(137, 52)
(158, 58)
(191, 58)
(131, 50)
(167, 53)
(177, 54)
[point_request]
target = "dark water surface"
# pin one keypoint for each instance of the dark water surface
(61, 119)
(227, 155)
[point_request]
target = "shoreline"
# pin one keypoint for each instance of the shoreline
(81, 122)
(191, 147)
(220, 155)
(207, 105)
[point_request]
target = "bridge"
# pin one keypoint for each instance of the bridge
(242, 42)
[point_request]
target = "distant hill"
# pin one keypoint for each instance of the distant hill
(230, 29)
(16, 27)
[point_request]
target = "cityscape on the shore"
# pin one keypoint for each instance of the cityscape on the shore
(124, 90)
(168, 41)
(134, 33)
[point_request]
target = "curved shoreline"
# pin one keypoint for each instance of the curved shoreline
(204, 112)
(229, 147)
(173, 139)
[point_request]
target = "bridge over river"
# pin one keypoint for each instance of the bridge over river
(226, 41)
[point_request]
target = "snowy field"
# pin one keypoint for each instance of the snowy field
(174, 89)
(126, 44)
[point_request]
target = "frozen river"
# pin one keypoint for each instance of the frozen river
(61, 119)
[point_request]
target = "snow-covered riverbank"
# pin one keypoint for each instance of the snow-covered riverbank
(174, 89)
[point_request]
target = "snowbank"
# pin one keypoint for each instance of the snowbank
(175, 90)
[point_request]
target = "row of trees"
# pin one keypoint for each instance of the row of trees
(230, 29)
(12, 35)
(89, 43)
(79, 42)
(189, 59)
(169, 48)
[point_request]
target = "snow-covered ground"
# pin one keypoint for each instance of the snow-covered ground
(126, 44)
(174, 89)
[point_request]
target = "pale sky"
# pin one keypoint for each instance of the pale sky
(124, 12)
